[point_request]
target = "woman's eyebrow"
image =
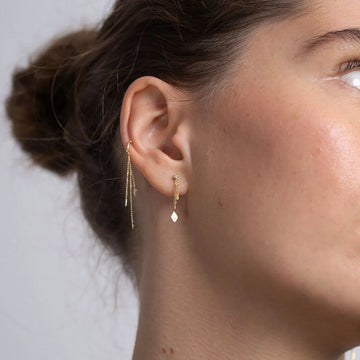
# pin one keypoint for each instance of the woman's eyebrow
(350, 36)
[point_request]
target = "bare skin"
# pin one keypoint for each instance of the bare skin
(264, 261)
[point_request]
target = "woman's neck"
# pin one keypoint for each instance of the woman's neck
(191, 311)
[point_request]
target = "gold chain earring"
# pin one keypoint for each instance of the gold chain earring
(130, 182)
(174, 216)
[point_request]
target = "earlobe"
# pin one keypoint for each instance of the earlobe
(153, 117)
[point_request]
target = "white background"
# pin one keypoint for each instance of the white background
(57, 297)
(57, 294)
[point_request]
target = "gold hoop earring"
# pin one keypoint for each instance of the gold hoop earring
(174, 216)
(130, 182)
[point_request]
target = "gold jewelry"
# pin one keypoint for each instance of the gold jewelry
(174, 216)
(130, 180)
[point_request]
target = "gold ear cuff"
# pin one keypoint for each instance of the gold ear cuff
(130, 182)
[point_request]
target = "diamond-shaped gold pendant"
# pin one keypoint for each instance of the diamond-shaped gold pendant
(174, 216)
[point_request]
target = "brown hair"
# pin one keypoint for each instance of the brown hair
(65, 106)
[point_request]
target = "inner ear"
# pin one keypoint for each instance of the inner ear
(159, 126)
(157, 129)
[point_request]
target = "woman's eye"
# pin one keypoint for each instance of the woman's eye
(351, 72)
(352, 78)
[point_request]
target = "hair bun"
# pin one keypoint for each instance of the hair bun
(41, 102)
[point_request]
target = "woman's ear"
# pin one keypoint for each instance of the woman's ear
(154, 116)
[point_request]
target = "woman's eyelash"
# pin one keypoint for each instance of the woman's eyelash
(349, 65)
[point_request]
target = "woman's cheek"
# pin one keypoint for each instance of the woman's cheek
(323, 164)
